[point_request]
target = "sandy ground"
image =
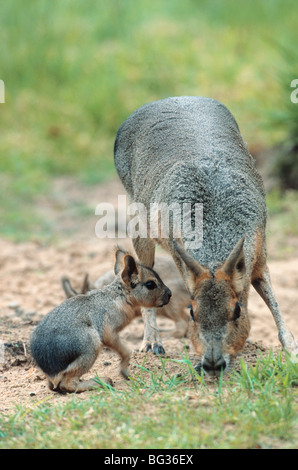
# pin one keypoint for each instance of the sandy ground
(30, 287)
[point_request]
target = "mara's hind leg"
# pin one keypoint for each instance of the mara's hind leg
(263, 286)
(145, 250)
(73, 384)
(70, 381)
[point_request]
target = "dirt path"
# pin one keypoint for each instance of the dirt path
(30, 287)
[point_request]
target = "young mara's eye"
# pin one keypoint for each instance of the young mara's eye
(237, 311)
(150, 285)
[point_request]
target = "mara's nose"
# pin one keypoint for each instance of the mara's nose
(214, 367)
(167, 296)
(168, 293)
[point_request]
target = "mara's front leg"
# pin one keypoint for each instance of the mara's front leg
(145, 250)
(151, 340)
(263, 286)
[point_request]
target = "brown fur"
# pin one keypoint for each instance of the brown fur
(259, 260)
(190, 149)
(215, 298)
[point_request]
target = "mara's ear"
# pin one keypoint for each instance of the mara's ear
(124, 264)
(129, 268)
(234, 266)
(190, 269)
(86, 285)
(119, 254)
(67, 287)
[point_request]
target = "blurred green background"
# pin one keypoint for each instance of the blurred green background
(75, 69)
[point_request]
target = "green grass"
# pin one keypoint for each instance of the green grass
(282, 226)
(256, 407)
(73, 71)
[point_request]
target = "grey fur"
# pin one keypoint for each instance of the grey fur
(67, 341)
(189, 149)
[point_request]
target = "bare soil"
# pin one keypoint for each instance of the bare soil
(30, 287)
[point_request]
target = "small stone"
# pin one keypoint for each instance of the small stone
(14, 304)
(30, 313)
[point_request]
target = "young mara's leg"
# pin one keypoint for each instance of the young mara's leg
(75, 385)
(70, 378)
(263, 286)
(145, 249)
(112, 340)
(124, 353)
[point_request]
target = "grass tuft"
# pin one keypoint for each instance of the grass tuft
(255, 407)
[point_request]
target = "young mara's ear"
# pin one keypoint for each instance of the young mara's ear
(124, 264)
(119, 254)
(130, 268)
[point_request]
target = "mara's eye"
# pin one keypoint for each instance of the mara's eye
(237, 311)
(150, 285)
